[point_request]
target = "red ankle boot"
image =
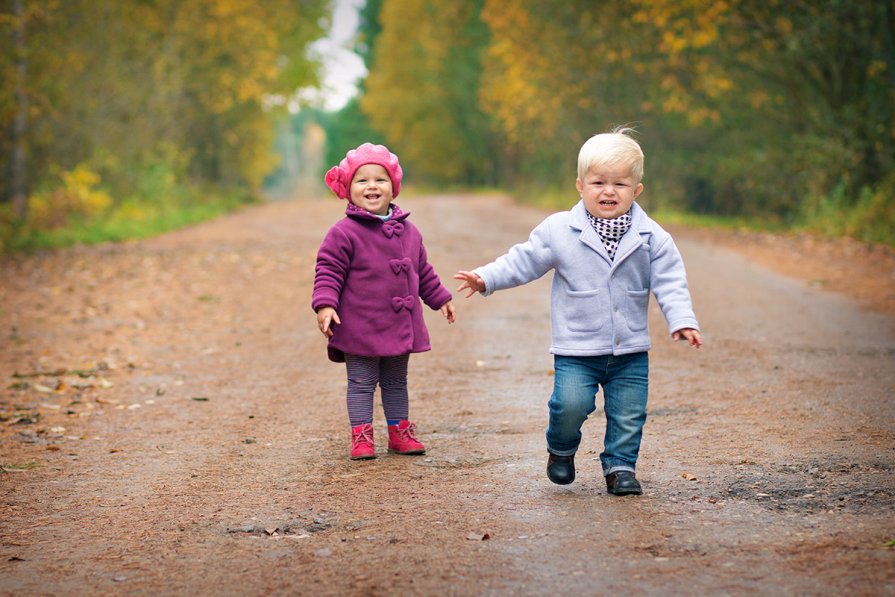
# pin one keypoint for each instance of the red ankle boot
(362, 447)
(402, 439)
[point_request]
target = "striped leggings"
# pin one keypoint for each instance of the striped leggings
(364, 373)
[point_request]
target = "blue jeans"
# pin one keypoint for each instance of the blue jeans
(624, 380)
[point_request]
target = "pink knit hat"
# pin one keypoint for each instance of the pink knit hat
(339, 177)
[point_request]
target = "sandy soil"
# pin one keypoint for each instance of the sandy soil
(169, 424)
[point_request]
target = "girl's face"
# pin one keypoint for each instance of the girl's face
(371, 189)
(608, 191)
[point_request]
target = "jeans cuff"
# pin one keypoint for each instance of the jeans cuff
(621, 467)
(561, 452)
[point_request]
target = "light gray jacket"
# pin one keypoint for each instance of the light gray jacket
(599, 307)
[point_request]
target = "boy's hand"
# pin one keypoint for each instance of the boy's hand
(690, 335)
(326, 317)
(471, 282)
(449, 312)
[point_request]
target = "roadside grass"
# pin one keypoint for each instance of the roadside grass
(131, 219)
(871, 219)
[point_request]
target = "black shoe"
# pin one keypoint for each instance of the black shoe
(622, 483)
(560, 469)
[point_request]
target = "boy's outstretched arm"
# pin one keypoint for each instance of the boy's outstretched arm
(471, 282)
(690, 335)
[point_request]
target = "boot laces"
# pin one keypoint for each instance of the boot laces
(364, 436)
(407, 433)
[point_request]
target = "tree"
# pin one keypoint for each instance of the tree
(19, 198)
(422, 89)
(152, 89)
(731, 96)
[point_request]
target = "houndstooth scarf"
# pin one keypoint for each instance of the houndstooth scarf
(611, 231)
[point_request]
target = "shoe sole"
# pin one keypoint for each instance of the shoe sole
(408, 453)
(625, 492)
(561, 481)
(362, 457)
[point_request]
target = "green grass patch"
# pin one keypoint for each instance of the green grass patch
(869, 217)
(130, 219)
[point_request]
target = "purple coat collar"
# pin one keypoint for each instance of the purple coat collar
(360, 213)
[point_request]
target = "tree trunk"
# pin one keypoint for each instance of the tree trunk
(19, 195)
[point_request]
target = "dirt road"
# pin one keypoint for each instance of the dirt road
(202, 450)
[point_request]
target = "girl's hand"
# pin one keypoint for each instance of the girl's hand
(449, 312)
(690, 335)
(326, 317)
(471, 282)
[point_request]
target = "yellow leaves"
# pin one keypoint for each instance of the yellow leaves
(704, 37)
(875, 68)
(674, 103)
(78, 195)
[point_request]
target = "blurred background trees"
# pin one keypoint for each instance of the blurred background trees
(150, 97)
(782, 111)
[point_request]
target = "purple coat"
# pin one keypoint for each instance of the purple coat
(374, 273)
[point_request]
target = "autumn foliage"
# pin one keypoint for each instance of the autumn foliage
(763, 108)
(143, 98)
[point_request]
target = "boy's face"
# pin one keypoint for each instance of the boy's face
(608, 191)
(371, 189)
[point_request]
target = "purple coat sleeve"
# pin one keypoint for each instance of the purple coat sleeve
(333, 261)
(432, 291)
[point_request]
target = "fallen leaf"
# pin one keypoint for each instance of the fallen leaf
(689, 477)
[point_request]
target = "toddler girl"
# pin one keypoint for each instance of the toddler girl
(371, 273)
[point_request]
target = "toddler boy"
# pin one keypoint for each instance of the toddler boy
(607, 256)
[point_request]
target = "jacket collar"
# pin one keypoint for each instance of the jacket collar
(354, 211)
(578, 220)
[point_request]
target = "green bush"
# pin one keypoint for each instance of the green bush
(869, 217)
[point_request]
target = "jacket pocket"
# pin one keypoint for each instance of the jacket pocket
(585, 310)
(636, 309)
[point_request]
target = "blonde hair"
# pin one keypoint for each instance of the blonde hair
(616, 148)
